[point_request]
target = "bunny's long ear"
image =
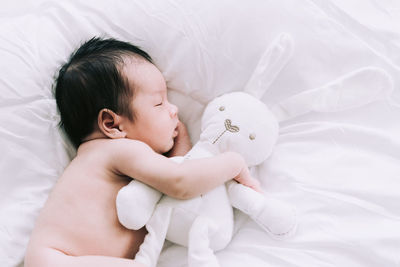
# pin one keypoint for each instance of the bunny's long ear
(271, 63)
(353, 90)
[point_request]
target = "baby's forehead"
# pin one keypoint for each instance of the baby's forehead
(143, 75)
(131, 63)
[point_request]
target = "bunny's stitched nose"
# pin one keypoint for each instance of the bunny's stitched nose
(231, 128)
(228, 127)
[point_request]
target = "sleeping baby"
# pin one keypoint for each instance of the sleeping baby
(114, 108)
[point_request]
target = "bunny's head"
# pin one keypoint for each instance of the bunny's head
(240, 122)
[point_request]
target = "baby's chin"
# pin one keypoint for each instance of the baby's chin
(168, 147)
(171, 145)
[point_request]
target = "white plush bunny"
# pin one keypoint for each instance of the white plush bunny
(239, 122)
(233, 122)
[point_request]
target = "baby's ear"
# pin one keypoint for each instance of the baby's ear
(109, 123)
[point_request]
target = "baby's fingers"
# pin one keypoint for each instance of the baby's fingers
(253, 184)
(256, 186)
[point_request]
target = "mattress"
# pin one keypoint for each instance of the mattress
(337, 161)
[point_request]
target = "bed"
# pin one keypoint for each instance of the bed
(339, 168)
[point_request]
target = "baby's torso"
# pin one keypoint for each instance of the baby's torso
(80, 216)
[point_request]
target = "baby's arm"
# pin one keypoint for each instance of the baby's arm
(186, 180)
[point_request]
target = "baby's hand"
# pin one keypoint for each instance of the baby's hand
(182, 143)
(246, 179)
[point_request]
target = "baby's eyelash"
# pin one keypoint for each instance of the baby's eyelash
(159, 104)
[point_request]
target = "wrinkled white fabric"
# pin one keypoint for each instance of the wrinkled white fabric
(341, 169)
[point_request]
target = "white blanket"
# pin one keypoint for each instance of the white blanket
(340, 169)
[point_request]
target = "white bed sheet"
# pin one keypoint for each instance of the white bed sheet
(341, 169)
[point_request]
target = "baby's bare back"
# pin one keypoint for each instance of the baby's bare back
(80, 218)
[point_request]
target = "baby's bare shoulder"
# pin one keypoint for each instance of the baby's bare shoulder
(114, 151)
(103, 157)
(122, 156)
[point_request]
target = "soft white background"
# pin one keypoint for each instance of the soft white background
(341, 170)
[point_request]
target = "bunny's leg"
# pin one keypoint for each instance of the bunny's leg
(200, 254)
(277, 218)
(157, 228)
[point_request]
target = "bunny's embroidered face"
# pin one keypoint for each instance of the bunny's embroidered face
(240, 122)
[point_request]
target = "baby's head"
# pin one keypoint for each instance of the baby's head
(111, 89)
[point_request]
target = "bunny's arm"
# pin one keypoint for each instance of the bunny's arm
(137, 201)
(135, 204)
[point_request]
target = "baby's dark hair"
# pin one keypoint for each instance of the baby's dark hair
(91, 80)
